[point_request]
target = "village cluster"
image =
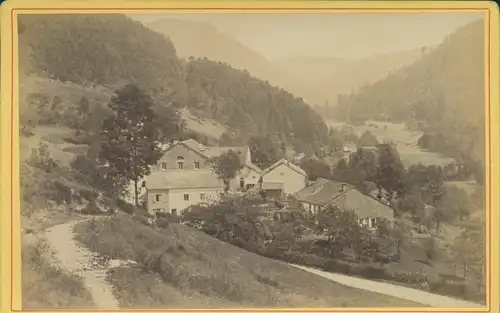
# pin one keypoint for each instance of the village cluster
(184, 177)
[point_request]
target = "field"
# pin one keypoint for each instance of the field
(406, 141)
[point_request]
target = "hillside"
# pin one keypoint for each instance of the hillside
(333, 76)
(252, 106)
(447, 81)
(179, 262)
(203, 40)
(125, 51)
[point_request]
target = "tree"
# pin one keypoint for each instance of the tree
(169, 123)
(264, 152)
(315, 168)
(41, 158)
(367, 139)
(130, 139)
(469, 248)
(391, 174)
(84, 106)
(227, 166)
(401, 232)
(339, 226)
(455, 202)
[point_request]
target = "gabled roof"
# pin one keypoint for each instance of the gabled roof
(211, 152)
(324, 192)
(286, 163)
(183, 179)
(254, 167)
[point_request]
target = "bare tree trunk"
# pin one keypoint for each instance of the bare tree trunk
(136, 192)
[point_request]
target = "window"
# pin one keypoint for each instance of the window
(163, 165)
(186, 197)
(173, 211)
(282, 174)
(242, 182)
(372, 223)
(143, 184)
(196, 164)
(157, 198)
(202, 196)
(180, 165)
(180, 157)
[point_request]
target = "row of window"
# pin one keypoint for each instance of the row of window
(186, 197)
(172, 211)
(180, 165)
(370, 222)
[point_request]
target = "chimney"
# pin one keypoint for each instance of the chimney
(343, 187)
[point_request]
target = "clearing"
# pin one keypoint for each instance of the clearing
(406, 141)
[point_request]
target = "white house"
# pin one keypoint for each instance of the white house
(248, 177)
(184, 176)
(283, 178)
(174, 191)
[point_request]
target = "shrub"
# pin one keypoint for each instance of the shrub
(125, 206)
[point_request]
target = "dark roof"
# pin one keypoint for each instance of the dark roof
(324, 192)
(211, 152)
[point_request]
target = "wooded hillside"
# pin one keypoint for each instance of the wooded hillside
(113, 50)
(442, 93)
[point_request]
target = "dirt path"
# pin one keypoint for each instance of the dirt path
(405, 293)
(79, 260)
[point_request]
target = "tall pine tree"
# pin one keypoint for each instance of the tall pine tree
(130, 138)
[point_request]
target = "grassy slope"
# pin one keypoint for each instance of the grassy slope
(184, 264)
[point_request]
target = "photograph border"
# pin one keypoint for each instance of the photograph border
(10, 299)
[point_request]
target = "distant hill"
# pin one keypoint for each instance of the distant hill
(203, 40)
(442, 93)
(334, 76)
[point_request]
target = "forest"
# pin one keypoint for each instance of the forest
(111, 51)
(441, 94)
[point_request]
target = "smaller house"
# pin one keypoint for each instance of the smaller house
(175, 191)
(324, 193)
(282, 178)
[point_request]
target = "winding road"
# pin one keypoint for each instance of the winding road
(405, 293)
(76, 259)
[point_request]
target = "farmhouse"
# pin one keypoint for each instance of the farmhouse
(325, 192)
(183, 176)
(176, 190)
(282, 178)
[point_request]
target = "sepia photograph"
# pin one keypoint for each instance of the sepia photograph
(181, 159)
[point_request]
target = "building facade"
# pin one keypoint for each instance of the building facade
(283, 178)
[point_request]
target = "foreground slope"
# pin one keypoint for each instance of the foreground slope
(182, 267)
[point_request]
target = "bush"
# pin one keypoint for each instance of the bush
(125, 206)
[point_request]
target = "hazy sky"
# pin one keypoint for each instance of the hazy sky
(345, 35)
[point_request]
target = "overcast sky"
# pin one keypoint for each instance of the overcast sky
(343, 35)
